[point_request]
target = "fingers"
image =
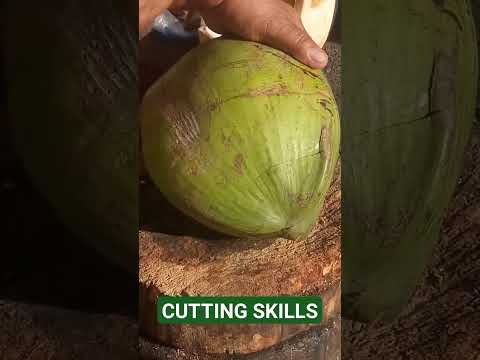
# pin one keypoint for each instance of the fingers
(294, 40)
(272, 22)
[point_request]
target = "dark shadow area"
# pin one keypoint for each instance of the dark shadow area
(157, 214)
(41, 260)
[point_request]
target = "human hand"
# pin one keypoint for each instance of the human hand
(272, 22)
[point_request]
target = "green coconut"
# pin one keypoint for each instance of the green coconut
(242, 138)
(410, 79)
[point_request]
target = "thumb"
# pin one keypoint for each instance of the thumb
(294, 40)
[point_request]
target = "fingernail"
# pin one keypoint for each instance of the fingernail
(318, 57)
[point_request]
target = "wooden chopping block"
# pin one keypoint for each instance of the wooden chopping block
(194, 266)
